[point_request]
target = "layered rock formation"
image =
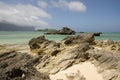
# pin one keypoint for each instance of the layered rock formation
(58, 56)
(19, 66)
(83, 38)
(108, 45)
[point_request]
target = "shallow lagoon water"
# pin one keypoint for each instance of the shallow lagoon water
(18, 37)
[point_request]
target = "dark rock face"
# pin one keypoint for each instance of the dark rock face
(63, 31)
(44, 46)
(19, 66)
(34, 43)
(97, 34)
(83, 38)
(42, 42)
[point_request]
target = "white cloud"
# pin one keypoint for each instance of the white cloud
(59, 3)
(71, 5)
(23, 14)
(76, 6)
(43, 4)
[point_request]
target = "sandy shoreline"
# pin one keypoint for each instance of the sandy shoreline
(14, 47)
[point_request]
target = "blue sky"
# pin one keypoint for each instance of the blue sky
(80, 15)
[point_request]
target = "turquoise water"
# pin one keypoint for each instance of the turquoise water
(113, 36)
(16, 37)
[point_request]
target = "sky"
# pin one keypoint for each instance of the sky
(80, 15)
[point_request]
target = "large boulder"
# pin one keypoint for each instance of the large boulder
(34, 43)
(19, 66)
(42, 42)
(82, 38)
(44, 45)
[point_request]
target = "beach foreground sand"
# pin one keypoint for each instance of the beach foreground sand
(86, 69)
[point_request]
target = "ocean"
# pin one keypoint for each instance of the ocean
(19, 37)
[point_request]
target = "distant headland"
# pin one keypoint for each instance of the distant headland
(11, 27)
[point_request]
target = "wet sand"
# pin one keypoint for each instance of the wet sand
(24, 48)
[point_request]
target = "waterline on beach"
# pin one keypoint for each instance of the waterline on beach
(19, 37)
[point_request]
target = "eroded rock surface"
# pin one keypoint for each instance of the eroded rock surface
(55, 57)
(59, 56)
(109, 45)
(83, 38)
(19, 66)
(109, 64)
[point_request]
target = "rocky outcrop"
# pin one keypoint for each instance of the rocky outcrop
(76, 49)
(108, 63)
(108, 45)
(19, 66)
(66, 30)
(42, 42)
(108, 42)
(64, 59)
(59, 56)
(63, 31)
(44, 46)
(97, 33)
(83, 38)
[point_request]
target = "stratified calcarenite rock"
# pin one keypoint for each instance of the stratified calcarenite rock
(19, 66)
(83, 38)
(59, 56)
(108, 63)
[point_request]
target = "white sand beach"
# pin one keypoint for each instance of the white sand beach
(87, 69)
